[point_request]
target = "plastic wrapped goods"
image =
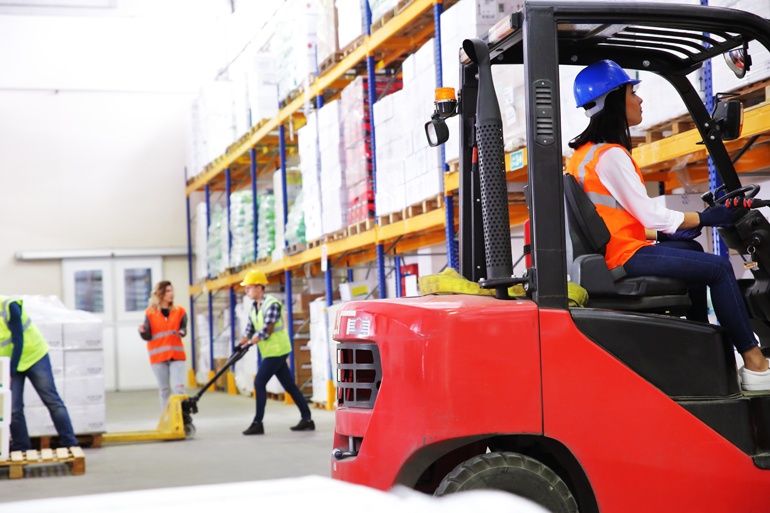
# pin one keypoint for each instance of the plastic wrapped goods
(265, 225)
(217, 241)
(242, 227)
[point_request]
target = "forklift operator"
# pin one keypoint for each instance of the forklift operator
(603, 165)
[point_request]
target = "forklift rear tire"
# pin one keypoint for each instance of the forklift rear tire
(513, 473)
(189, 430)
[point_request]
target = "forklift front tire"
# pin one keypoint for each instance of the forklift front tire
(514, 473)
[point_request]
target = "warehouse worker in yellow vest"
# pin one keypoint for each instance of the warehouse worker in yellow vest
(23, 342)
(266, 329)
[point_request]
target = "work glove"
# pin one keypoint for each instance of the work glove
(683, 234)
(718, 215)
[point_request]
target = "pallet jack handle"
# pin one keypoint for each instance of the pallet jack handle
(190, 405)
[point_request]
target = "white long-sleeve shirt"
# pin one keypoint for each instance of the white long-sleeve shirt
(616, 172)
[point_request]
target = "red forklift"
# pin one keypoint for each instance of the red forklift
(621, 406)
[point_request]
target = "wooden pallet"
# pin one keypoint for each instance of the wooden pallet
(361, 226)
(329, 62)
(74, 457)
(277, 397)
(454, 166)
(382, 21)
(350, 48)
(750, 95)
(293, 249)
(93, 440)
(423, 207)
(264, 260)
(322, 406)
(314, 243)
(390, 218)
(338, 235)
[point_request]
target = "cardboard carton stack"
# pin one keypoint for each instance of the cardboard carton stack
(310, 167)
(351, 21)
(408, 170)
(76, 351)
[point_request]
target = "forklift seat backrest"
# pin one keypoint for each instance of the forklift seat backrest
(587, 230)
(610, 288)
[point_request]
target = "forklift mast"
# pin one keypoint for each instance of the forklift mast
(667, 39)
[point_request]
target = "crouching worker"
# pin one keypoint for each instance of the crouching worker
(28, 350)
(267, 330)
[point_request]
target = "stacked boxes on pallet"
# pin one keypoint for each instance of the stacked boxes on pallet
(408, 170)
(310, 165)
(5, 406)
(334, 202)
(293, 188)
(326, 31)
(76, 351)
(319, 351)
(294, 44)
(358, 144)
(380, 8)
(351, 22)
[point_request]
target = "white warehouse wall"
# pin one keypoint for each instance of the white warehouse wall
(93, 131)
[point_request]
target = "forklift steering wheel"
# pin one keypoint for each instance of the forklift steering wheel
(748, 191)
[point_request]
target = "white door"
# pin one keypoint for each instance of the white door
(117, 290)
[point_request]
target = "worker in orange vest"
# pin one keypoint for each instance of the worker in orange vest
(163, 328)
(603, 165)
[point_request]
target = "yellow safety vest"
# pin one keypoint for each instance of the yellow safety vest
(278, 343)
(35, 346)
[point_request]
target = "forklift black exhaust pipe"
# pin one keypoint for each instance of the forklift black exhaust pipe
(494, 190)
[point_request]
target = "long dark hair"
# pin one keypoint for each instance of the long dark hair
(609, 125)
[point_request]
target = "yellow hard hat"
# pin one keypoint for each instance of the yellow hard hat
(254, 277)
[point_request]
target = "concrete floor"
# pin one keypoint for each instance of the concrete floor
(218, 453)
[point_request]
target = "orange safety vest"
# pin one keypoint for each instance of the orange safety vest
(165, 345)
(627, 234)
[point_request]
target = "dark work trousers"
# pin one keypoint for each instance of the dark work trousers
(277, 366)
(698, 270)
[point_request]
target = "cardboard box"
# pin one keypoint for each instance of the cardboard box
(5, 373)
(91, 418)
(83, 363)
(52, 333)
(5, 439)
(83, 390)
(82, 335)
(5, 407)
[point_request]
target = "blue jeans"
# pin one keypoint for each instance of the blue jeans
(698, 270)
(276, 365)
(41, 377)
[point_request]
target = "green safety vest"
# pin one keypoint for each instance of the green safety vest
(278, 343)
(35, 346)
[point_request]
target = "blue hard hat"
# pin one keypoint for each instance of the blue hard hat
(594, 82)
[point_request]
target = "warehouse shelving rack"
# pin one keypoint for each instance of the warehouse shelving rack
(406, 31)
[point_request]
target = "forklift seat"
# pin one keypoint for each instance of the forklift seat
(609, 288)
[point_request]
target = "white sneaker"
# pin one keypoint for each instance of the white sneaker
(753, 381)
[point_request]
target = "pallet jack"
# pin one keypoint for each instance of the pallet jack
(176, 420)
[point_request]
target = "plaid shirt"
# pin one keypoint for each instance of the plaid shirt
(272, 315)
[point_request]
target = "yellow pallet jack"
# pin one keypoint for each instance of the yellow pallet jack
(176, 420)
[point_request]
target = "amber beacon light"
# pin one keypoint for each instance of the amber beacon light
(445, 107)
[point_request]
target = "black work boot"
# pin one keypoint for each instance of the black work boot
(304, 425)
(256, 428)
